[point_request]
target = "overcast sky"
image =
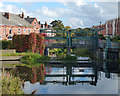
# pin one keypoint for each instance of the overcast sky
(74, 14)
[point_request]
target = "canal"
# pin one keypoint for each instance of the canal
(90, 77)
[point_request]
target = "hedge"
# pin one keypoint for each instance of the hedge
(4, 44)
(33, 43)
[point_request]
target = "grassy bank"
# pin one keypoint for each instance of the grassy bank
(17, 54)
(83, 52)
(34, 59)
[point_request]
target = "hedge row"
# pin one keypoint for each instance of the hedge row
(4, 44)
(32, 43)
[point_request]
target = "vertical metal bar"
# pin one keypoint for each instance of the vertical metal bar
(69, 40)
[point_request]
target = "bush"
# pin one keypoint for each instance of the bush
(33, 59)
(84, 52)
(116, 39)
(33, 43)
(11, 85)
(4, 44)
(70, 58)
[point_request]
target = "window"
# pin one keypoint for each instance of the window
(4, 31)
(10, 31)
(29, 31)
(24, 29)
(35, 23)
(18, 30)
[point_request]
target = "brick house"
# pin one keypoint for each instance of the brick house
(102, 31)
(111, 27)
(16, 24)
(13, 24)
(48, 29)
(34, 23)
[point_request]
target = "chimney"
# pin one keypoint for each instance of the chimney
(7, 15)
(22, 15)
(28, 16)
(46, 25)
(39, 22)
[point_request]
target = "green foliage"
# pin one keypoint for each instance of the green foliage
(84, 52)
(17, 54)
(116, 39)
(57, 24)
(4, 44)
(11, 85)
(82, 33)
(61, 56)
(101, 37)
(34, 59)
(32, 43)
(70, 58)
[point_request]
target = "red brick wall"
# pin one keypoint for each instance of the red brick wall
(37, 27)
(14, 30)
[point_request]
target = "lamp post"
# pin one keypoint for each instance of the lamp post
(100, 27)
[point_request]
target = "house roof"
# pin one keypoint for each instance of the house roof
(30, 20)
(15, 20)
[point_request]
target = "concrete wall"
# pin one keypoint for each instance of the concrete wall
(8, 51)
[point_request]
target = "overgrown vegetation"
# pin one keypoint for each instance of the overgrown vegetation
(18, 54)
(102, 37)
(29, 43)
(11, 85)
(70, 58)
(83, 52)
(4, 44)
(116, 39)
(34, 59)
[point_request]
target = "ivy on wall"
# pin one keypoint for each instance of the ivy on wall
(32, 43)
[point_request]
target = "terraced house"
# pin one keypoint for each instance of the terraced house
(111, 27)
(11, 24)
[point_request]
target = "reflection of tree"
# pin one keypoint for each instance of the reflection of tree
(48, 70)
(34, 74)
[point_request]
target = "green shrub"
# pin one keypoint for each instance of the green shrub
(116, 39)
(84, 52)
(4, 44)
(70, 58)
(34, 58)
(11, 85)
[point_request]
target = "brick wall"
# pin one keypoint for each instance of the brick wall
(37, 27)
(5, 31)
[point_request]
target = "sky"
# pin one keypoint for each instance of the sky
(76, 14)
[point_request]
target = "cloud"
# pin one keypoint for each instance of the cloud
(75, 14)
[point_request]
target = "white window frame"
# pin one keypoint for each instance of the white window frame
(29, 31)
(4, 31)
(24, 30)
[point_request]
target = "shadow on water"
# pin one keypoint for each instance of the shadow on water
(67, 74)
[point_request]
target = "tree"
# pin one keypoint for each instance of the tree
(57, 24)
(67, 27)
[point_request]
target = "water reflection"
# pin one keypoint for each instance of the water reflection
(47, 77)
